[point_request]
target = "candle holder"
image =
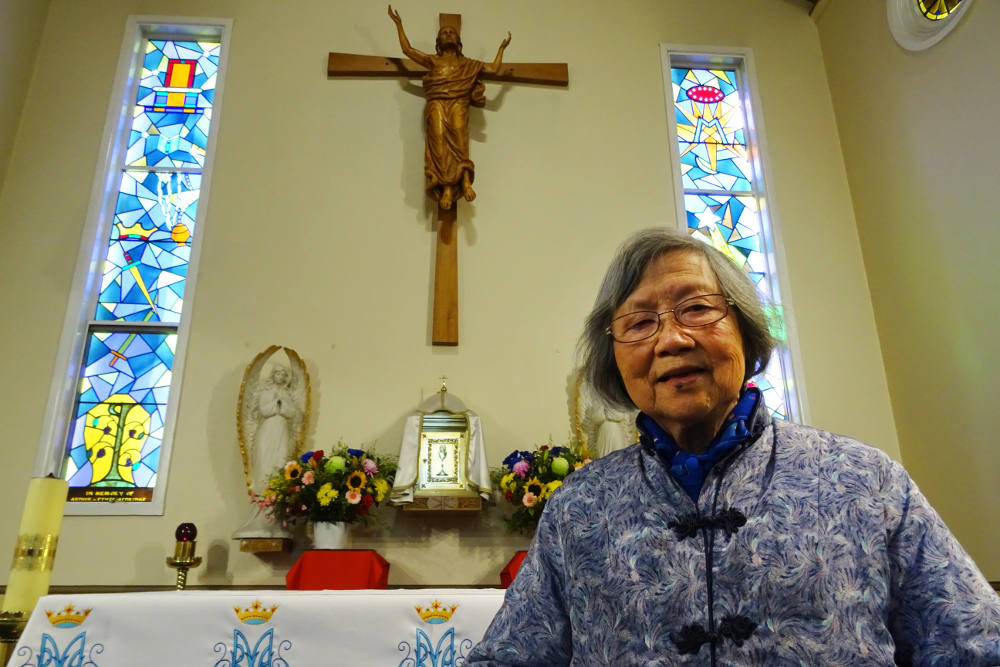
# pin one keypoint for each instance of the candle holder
(184, 558)
(11, 626)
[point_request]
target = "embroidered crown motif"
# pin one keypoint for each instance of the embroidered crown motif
(69, 617)
(436, 613)
(255, 614)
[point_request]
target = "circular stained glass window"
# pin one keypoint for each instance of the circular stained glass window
(936, 10)
(919, 24)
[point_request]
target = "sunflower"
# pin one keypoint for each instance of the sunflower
(293, 470)
(356, 481)
(535, 486)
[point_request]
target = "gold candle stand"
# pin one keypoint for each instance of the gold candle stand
(11, 626)
(184, 558)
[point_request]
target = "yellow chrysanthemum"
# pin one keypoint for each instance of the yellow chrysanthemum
(552, 486)
(381, 488)
(356, 481)
(293, 470)
(507, 483)
(326, 494)
(535, 486)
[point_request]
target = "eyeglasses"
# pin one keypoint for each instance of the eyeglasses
(697, 311)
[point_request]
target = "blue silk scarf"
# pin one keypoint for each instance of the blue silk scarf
(690, 470)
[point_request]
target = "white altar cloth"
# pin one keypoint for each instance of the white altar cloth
(257, 628)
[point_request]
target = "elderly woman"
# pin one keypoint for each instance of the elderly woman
(725, 537)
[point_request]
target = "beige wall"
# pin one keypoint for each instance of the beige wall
(317, 237)
(21, 23)
(919, 136)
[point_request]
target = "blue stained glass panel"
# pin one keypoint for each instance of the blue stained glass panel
(173, 112)
(720, 193)
(732, 225)
(145, 268)
(711, 130)
(157, 63)
(168, 139)
(114, 447)
(120, 409)
(772, 386)
(714, 167)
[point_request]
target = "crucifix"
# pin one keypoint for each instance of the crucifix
(451, 83)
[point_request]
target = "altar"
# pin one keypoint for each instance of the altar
(265, 628)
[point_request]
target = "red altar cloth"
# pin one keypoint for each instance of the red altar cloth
(338, 569)
(509, 571)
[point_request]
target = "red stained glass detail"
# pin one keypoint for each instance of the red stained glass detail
(705, 94)
(180, 73)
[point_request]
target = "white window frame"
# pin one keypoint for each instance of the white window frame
(741, 59)
(83, 294)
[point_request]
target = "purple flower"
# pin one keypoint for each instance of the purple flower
(370, 467)
(521, 468)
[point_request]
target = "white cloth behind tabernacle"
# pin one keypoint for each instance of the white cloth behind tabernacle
(406, 475)
(250, 628)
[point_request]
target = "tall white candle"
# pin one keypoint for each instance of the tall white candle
(35, 549)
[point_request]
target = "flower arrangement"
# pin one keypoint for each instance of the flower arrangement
(342, 486)
(527, 479)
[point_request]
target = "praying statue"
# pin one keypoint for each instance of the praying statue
(271, 422)
(451, 84)
(600, 427)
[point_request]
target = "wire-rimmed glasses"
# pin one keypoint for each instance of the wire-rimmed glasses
(696, 311)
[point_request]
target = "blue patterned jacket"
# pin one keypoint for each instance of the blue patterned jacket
(804, 548)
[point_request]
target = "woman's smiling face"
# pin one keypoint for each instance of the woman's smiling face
(688, 379)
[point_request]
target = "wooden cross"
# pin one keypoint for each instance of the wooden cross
(445, 319)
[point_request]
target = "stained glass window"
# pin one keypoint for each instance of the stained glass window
(919, 24)
(721, 190)
(936, 10)
(149, 247)
(117, 431)
(118, 428)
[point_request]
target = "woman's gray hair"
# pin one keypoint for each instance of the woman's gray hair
(595, 349)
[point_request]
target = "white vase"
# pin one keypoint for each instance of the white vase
(329, 535)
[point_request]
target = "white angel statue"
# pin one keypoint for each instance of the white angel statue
(271, 420)
(601, 428)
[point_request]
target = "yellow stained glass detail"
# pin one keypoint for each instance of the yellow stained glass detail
(936, 10)
(117, 425)
(180, 74)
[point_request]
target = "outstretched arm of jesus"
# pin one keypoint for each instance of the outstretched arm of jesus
(418, 57)
(494, 67)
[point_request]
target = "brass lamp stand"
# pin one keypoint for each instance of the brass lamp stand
(11, 626)
(184, 558)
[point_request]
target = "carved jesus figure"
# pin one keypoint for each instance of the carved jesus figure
(451, 84)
